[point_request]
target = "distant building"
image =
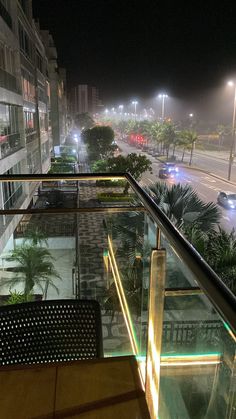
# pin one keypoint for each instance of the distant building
(84, 98)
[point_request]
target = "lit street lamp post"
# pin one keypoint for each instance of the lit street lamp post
(190, 120)
(163, 97)
(232, 148)
(135, 102)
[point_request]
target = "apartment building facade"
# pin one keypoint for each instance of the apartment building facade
(25, 105)
(57, 77)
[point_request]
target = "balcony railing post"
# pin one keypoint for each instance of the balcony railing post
(155, 327)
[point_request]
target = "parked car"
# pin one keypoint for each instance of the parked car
(227, 199)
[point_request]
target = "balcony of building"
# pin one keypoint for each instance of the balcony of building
(9, 144)
(163, 309)
(5, 15)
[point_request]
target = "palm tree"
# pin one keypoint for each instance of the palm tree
(220, 253)
(188, 141)
(34, 267)
(222, 131)
(183, 207)
(167, 136)
(35, 236)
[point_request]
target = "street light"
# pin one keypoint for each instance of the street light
(232, 148)
(121, 107)
(135, 103)
(163, 96)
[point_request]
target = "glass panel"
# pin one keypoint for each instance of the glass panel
(76, 247)
(131, 237)
(198, 351)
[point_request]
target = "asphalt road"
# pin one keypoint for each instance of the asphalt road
(207, 186)
(217, 165)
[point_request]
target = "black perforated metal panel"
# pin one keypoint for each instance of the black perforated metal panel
(50, 331)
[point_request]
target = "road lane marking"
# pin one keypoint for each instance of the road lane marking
(226, 218)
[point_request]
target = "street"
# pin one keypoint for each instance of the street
(213, 164)
(207, 186)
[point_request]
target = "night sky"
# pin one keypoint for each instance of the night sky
(129, 50)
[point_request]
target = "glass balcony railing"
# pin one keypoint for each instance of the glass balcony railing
(160, 301)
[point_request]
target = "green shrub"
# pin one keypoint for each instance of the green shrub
(114, 197)
(111, 183)
(16, 297)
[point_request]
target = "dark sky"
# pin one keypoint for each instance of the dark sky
(129, 50)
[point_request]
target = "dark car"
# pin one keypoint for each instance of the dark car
(227, 199)
(168, 170)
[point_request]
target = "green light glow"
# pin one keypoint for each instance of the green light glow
(191, 355)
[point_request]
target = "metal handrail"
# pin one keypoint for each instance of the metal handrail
(220, 296)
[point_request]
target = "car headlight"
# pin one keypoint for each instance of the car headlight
(230, 202)
(176, 169)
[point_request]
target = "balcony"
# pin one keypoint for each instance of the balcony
(159, 300)
(9, 82)
(9, 144)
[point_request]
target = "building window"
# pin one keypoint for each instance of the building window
(12, 190)
(7, 59)
(28, 86)
(9, 123)
(33, 161)
(23, 4)
(43, 122)
(45, 151)
(29, 118)
(39, 61)
(9, 129)
(5, 12)
(2, 57)
(25, 42)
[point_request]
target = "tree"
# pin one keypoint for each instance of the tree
(83, 121)
(99, 141)
(100, 166)
(184, 208)
(189, 139)
(133, 163)
(166, 135)
(220, 253)
(34, 267)
(35, 236)
(222, 131)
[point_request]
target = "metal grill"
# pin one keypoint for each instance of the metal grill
(50, 331)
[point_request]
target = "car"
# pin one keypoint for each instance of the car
(168, 170)
(227, 199)
(171, 167)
